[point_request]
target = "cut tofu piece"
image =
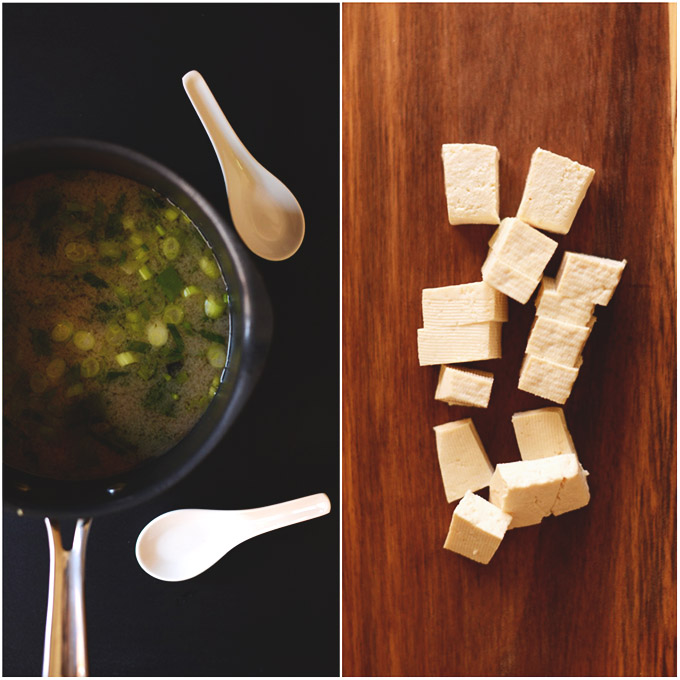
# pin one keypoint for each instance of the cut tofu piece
(530, 490)
(547, 379)
(464, 304)
(557, 341)
(474, 342)
(542, 433)
(552, 305)
(507, 280)
(522, 247)
(588, 277)
(471, 181)
(464, 387)
(477, 528)
(462, 458)
(554, 190)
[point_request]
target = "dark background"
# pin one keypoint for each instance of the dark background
(113, 72)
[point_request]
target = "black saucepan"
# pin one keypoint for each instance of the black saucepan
(250, 333)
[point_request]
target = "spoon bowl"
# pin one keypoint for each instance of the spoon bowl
(182, 544)
(266, 215)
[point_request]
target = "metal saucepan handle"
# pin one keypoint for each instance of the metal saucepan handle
(65, 639)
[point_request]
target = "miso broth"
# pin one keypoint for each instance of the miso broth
(116, 324)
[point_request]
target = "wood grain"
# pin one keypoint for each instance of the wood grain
(592, 592)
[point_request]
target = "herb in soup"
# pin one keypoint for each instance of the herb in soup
(116, 324)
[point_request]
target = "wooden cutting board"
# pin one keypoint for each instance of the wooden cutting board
(591, 592)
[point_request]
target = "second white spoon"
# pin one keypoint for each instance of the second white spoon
(184, 543)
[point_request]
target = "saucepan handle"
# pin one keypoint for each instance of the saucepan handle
(65, 638)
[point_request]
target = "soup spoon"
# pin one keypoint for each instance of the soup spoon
(182, 544)
(265, 213)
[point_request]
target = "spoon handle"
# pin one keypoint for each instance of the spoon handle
(227, 145)
(290, 512)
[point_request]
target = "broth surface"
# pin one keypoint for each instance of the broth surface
(115, 324)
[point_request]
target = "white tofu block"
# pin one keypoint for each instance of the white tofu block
(522, 247)
(542, 433)
(477, 528)
(462, 458)
(559, 342)
(589, 278)
(530, 490)
(552, 305)
(464, 387)
(474, 342)
(547, 379)
(464, 304)
(471, 181)
(507, 280)
(554, 190)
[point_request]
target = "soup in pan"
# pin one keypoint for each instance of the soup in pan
(116, 324)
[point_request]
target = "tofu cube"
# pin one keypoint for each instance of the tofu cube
(552, 305)
(557, 341)
(474, 342)
(471, 181)
(462, 459)
(542, 433)
(463, 304)
(589, 278)
(547, 379)
(506, 279)
(464, 387)
(477, 528)
(522, 247)
(554, 190)
(530, 490)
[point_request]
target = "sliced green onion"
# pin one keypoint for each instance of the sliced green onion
(170, 247)
(191, 290)
(141, 254)
(213, 307)
(145, 273)
(128, 223)
(136, 240)
(38, 383)
(114, 334)
(122, 294)
(83, 340)
(76, 252)
(225, 298)
(167, 377)
(216, 356)
(185, 219)
(62, 331)
(129, 267)
(173, 314)
(212, 391)
(209, 267)
(138, 346)
(170, 214)
(182, 377)
(89, 367)
(160, 230)
(175, 396)
(216, 381)
(75, 390)
(126, 358)
(55, 369)
(157, 333)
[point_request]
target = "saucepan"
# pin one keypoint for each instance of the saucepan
(250, 334)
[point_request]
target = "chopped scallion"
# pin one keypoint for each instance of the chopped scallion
(213, 307)
(157, 333)
(89, 367)
(191, 290)
(170, 214)
(209, 267)
(114, 334)
(126, 358)
(62, 331)
(160, 230)
(83, 340)
(216, 356)
(170, 248)
(173, 314)
(76, 252)
(145, 273)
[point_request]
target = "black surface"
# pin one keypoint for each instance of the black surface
(113, 72)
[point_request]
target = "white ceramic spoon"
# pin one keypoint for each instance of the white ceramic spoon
(184, 543)
(265, 213)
